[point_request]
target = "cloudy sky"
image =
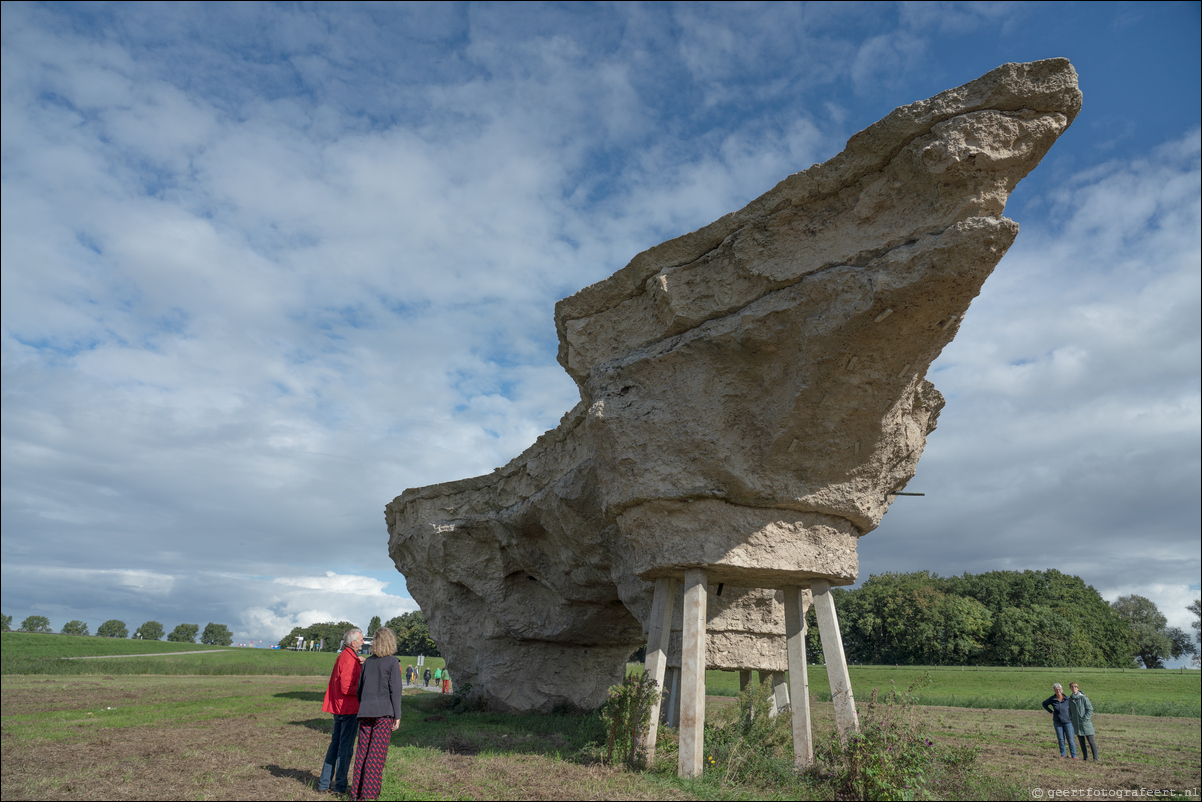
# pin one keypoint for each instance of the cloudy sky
(266, 266)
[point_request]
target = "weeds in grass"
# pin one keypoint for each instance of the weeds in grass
(891, 757)
(744, 745)
(626, 715)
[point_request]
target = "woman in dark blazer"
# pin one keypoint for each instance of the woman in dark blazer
(380, 685)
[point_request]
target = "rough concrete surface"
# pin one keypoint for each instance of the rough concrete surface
(751, 394)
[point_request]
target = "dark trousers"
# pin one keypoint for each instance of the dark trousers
(1082, 739)
(338, 755)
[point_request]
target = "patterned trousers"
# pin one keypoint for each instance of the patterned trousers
(372, 751)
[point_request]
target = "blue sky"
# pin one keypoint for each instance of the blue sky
(266, 266)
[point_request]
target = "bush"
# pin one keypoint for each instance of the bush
(112, 629)
(626, 715)
(75, 628)
(892, 758)
(35, 623)
(184, 633)
(216, 635)
(151, 630)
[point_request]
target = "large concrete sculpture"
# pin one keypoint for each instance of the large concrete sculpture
(752, 394)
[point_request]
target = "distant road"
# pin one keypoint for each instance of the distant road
(155, 654)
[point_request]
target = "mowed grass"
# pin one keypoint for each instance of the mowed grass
(1170, 693)
(262, 737)
(28, 653)
(1134, 692)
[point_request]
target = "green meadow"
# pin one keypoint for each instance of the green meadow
(1134, 691)
(1157, 692)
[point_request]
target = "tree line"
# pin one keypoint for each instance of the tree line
(1003, 618)
(213, 635)
(412, 634)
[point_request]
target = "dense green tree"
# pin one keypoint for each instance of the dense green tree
(216, 635)
(184, 633)
(151, 630)
(6, 623)
(1021, 618)
(112, 629)
(36, 623)
(328, 633)
(413, 634)
(1150, 634)
(373, 626)
(909, 619)
(74, 628)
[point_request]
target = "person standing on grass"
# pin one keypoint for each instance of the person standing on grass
(446, 681)
(341, 700)
(1081, 710)
(1058, 705)
(380, 687)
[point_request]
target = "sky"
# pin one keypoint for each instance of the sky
(266, 266)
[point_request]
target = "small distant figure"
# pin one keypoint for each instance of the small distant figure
(342, 700)
(1058, 705)
(446, 681)
(1081, 710)
(380, 687)
(437, 677)
(426, 677)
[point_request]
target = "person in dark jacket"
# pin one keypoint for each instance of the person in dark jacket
(342, 700)
(380, 686)
(1062, 719)
(426, 677)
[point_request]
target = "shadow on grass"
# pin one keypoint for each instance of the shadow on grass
(325, 725)
(428, 723)
(302, 696)
(303, 776)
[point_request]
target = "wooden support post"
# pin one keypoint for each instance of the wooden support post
(744, 680)
(692, 675)
(846, 719)
(780, 693)
(659, 630)
(674, 698)
(799, 680)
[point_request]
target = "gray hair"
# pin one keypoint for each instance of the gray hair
(1057, 686)
(349, 638)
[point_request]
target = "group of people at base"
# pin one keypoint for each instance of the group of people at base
(364, 694)
(1072, 714)
(441, 676)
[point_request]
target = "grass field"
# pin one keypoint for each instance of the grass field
(263, 737)
(26, 653)
(1135, 692)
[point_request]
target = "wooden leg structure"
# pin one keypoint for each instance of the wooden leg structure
(662, 600)
(846, 720)
(799, 678)
(692, 675)
(686, 685)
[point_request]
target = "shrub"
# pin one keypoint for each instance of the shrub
(74, 628)
(112, 629)
(626, 715)
(891, 757)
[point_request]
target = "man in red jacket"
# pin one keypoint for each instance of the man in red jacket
(342, 699)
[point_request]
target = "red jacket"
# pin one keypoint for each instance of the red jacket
(342, 694)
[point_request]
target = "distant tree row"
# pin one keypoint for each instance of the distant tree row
(1009, 618)
(214, 634)
(412, 634)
